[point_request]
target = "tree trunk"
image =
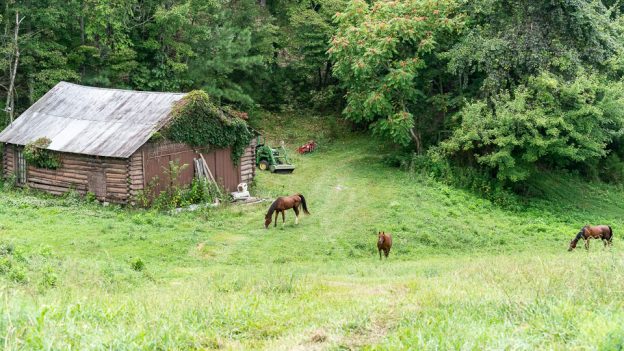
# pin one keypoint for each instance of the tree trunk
(417, 140)
(10, 103)
(327, 73)
(320, 78)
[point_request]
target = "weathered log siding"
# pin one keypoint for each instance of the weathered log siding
(8, 160)
(106, 177)
(248, 163)
(136, 175)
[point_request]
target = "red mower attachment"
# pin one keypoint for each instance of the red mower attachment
(309, 147)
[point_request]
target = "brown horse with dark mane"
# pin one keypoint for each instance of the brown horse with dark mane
(384, 243)
(283, 203)
(603, 232)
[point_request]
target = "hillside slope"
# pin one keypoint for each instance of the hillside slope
(463, 273)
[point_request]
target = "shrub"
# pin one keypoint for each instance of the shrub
(90, 197)
(18, 274)
(37, 154)
(612, 169)
(137, 264)
(10, 182)
(547, 121)
(20, 267)
(49, 278)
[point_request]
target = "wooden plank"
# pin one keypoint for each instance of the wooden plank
(53, 186)
(207, 169)
(69, 177)
(91, 162)
(74, 175)
(117, 190)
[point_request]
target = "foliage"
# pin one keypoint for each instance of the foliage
(222, 47)
(506, 42)
(9, 182)
(137, 264)
(198, 121)
(20, 267)
(380, 51)
(156, 137)
(171, 197)
(548, 121)
(201, 192)
(37, 154)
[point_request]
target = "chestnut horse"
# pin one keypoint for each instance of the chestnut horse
(283, 203)
(384, 243)
(603, 232)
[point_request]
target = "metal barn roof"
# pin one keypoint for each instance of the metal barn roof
(92, 121)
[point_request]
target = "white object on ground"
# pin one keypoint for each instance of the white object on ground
(242, 193)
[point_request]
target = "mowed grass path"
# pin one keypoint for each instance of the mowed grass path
(463, 273)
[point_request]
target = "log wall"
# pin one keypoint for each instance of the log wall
(248, 163)
(136, 175)
(8, 160)
(106, 177)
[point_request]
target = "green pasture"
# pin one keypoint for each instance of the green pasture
(464, 273)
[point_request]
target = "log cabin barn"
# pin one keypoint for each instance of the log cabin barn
(103, 139)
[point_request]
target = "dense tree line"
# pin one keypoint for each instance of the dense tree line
(239, 51)
(506, 86)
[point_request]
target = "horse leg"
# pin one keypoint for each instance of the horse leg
(387, 252)
(276, 214)
(283, 218)
(296, 209)
(586, 244)
(379, 254)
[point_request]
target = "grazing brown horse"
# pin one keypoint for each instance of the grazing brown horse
(384, 243)
(603, 232)
(283, 203)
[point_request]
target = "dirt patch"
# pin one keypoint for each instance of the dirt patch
(318, 336)
(368, 336)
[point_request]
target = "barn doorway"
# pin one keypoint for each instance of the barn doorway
(21, 167)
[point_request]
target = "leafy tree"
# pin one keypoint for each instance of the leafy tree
(548, 121)
(381, 52)
(311, 29)
(506, 42)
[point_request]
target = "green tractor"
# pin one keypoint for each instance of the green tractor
(274, 159)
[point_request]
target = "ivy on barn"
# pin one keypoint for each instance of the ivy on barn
(197, 121)
(37, 154)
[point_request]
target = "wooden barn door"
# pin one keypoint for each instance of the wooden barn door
(157, 166)
(96, 180)
(20, 166)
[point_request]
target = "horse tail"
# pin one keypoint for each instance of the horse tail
(610, 233)
(271, 209)
(303, 203)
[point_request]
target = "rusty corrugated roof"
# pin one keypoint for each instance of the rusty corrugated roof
(92, 121)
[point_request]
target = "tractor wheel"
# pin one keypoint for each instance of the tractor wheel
(263, 165)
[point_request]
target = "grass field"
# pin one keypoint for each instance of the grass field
(463, 273)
